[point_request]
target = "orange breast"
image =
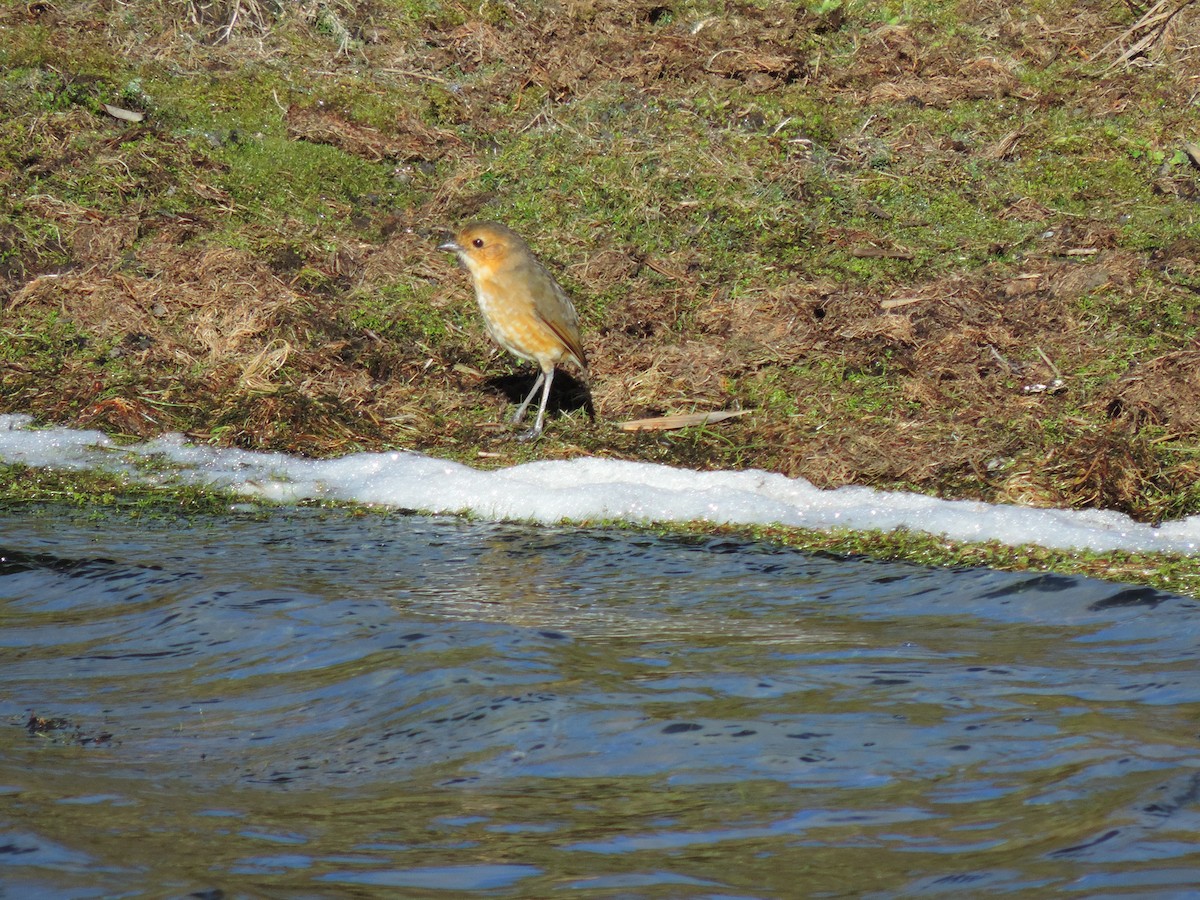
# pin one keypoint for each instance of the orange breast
(515, 324)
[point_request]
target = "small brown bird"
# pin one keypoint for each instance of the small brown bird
(525, 310)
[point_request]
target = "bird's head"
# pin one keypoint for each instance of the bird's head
(484, 247)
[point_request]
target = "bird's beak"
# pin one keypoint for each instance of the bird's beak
(451, 246)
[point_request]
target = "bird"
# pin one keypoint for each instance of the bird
(525, 310)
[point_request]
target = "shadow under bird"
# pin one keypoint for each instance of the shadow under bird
(525, 310)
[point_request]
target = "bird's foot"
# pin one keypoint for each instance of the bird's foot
(529, 434)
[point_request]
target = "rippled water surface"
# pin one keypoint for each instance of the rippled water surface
(325, 704)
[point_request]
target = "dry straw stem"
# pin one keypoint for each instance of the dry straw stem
(683, 420)
(1149, 34)
(258, 372)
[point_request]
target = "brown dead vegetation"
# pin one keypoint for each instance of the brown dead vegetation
(412, 140)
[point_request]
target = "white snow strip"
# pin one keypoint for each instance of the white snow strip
(581, 490)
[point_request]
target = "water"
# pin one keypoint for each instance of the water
(323, 704)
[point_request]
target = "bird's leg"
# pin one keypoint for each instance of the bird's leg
(524, 406)
(541, 416)
(537, 428)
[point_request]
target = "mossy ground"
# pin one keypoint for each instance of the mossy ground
(944, 247)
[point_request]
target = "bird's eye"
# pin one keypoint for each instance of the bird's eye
(478, 242)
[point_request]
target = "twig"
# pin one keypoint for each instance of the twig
(669, 423)
(1046, 360)
(409, 73)
(1004, 362)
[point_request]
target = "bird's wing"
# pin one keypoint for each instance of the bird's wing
(555, 309)
(571, 343)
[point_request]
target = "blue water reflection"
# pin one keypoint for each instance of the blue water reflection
(310, 703)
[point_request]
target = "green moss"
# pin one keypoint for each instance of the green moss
(318, 185)
(403, 311)
(97, 490)
(45, 342)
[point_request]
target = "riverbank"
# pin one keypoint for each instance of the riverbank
(950, 250)
(170, 477)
